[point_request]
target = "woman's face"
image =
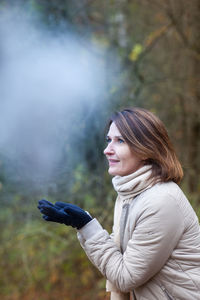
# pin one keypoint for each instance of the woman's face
(121, 158)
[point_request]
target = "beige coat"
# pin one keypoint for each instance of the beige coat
(159, 257)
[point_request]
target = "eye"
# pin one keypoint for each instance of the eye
(120, 141)
(108, 140)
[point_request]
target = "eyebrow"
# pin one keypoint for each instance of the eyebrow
(116, 136)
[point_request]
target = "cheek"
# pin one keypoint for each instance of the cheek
(131, 162)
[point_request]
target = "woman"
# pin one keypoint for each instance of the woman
(154, 250)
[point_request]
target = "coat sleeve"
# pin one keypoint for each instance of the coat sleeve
(157, 232)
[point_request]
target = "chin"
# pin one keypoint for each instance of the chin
(118, 173)
(114, 173)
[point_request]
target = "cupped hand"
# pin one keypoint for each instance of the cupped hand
(64, 213)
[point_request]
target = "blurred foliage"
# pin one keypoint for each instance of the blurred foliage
(157, 44)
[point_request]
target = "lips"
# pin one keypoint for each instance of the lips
(112, 161)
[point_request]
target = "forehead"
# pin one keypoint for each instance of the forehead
(113, 130)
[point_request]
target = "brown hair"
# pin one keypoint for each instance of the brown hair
(147, 136)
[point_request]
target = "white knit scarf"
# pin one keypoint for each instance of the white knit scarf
(127, 187)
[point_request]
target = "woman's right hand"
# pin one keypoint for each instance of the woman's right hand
(64, 213)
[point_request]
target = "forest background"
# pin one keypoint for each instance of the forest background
(148, 52)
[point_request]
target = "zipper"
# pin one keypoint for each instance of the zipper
(133, 294)
(169, 297)
(123, 220)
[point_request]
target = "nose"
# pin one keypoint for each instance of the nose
(109, 150)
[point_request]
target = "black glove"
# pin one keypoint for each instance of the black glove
(64, 213)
